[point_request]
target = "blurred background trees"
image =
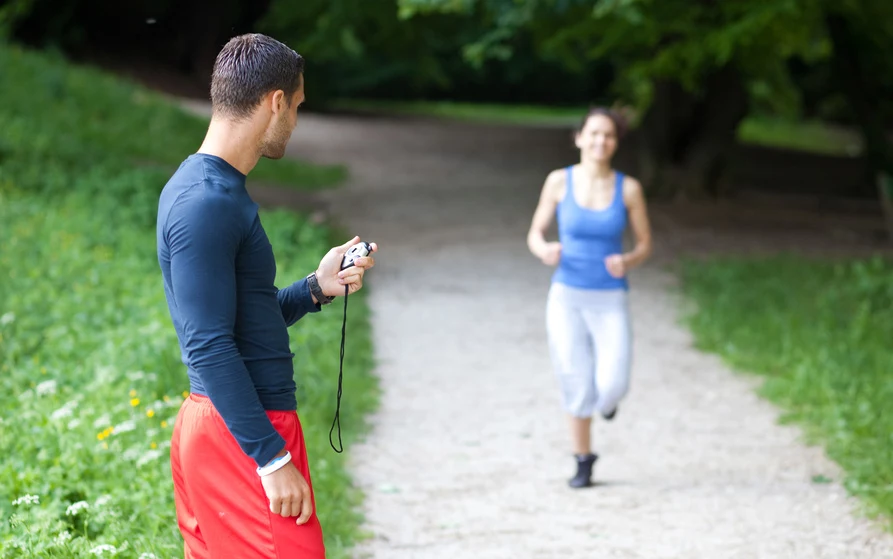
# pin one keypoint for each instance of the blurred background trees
(689, 71)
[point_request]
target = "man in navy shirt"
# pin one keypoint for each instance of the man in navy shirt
(239, 464)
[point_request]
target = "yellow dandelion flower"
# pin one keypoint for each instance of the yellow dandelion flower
(153, 445)
(132, 393)
(150, 413)
(135, 402)
(100, 436)
(164, 424)
(185, 394)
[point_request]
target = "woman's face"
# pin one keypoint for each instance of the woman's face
(598, 139)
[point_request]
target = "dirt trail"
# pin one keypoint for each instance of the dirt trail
(468, 455)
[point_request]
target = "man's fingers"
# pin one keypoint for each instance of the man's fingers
(275, 505)
(287, 509)
(350, 243)
(306, 509)
(364, 262)
(352, 274)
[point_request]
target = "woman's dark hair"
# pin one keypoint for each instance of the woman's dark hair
(620, 124)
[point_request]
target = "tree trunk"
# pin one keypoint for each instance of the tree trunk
(885, 192)
(855, 76)
(687, 136)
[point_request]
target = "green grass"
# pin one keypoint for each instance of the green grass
(90, 376)
(819, 333)
(73, 113)
(815, 137)
(474, 112)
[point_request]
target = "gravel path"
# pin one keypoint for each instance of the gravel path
(468, 455)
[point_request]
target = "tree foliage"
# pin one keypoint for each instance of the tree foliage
(378, 48)
(697, 67)
(692, 68)
(647, 40)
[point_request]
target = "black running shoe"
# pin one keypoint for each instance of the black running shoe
(584, 471)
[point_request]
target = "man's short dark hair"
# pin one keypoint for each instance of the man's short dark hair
(247, 68)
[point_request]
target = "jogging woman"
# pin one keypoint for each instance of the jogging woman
(587, 314)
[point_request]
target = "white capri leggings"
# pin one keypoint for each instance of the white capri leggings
(590, 346)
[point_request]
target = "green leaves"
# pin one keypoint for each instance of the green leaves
(645, 40)
(410, 8)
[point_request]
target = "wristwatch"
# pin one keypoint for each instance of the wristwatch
(316, 290)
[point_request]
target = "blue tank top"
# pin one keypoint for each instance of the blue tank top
(587, 237)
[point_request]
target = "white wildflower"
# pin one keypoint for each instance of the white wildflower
(104, 500)
(131, 454)
(75, 508)
(46, 387)
(104, 375)
(102, 421)
(136, 375)
(74, 423)
(148, 556)
(61, 413)
(148, 457)
(63, 537)
(101, 549)
(27, 500)
(125, 426)
(7, 318)
(65, 411)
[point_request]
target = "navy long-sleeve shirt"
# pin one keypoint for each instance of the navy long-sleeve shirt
(231, 320)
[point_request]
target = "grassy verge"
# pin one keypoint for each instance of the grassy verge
(813, 137)
(819, 333)
(816, 137)
(474, 112)
(90, 377)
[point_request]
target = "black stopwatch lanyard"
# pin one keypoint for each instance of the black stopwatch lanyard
(337, 420)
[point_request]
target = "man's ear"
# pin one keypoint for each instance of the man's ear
(278, 102)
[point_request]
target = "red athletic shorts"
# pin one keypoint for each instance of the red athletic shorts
(222, 510)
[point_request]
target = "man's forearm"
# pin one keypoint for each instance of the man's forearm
(234, 396)
(296, 300)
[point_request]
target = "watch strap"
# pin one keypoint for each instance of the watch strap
(316, 290)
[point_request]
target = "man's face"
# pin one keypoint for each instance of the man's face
(277, 137)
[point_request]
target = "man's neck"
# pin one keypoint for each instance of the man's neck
(236, 143)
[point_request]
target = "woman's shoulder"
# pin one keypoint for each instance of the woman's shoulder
(630, 182)
(558, 175)
(556, 181)
(632, 188)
